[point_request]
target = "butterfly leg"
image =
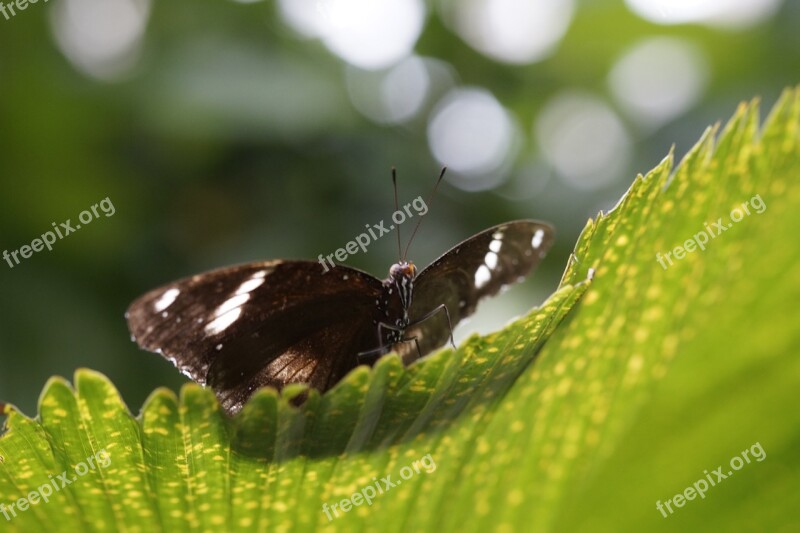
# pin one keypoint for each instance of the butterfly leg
(403, 358)
(416, 342)
(449, 322)
(370, 354)
(382, 348)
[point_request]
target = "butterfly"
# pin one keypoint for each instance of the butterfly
(273, 323)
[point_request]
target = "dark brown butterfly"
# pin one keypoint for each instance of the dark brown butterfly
(278, 322)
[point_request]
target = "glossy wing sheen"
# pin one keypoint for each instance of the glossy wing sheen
(478, 267)
(240, 328)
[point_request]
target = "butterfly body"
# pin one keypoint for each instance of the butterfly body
(273, 323)
(391, 317)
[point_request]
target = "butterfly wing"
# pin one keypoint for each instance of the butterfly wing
(478, 267)
(271, 323)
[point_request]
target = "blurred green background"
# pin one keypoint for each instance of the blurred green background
(225, 132)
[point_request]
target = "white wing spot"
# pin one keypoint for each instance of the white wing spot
(220, 323)
(231, 303)
(166, 299)
(482, 276)
(227, 313)
(491, 260)
(495, 245)
(249, 285)
(538, 237)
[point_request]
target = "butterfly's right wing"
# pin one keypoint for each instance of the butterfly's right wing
(472, 270)
(240, 328)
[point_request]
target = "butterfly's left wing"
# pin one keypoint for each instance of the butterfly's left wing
(476, 268)
(272, 323)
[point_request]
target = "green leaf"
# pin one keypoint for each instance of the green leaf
(630, 384)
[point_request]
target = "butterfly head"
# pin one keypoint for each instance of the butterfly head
(401, 270)
(401, 277)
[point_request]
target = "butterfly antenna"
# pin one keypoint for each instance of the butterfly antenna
(427, 204)
(394, 182)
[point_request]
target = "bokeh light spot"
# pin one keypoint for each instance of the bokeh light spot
(732, 13)
(584, 140)
(470, 132)
(102, 39)
(370, 34)
(659, 79)
(391, 96)
(512, 31)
